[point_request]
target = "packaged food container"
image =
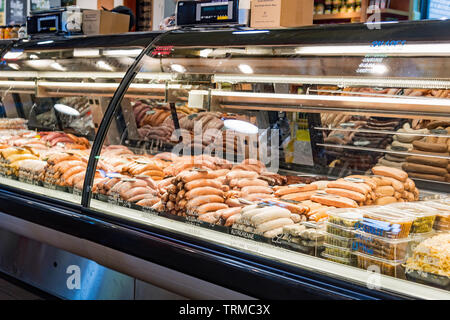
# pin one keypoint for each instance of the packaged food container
(385, 222)
(423, 216)
(338, 241)
(429, 279)
(345, 217)
(442, 221)
(347, 261)
(384, 248)
(416, 239)
(338, 230)
(338, 251)
(393, 268)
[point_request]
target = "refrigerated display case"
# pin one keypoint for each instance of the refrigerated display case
(244, 159)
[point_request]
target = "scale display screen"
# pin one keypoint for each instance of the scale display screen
(207, 12)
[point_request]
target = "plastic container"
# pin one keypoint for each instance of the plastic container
(380, 221)
(423, 216)
(387, 267)
(338, 251)
(348, 261)
(442, 221)
(429, 279)
(340, 231)
(347, 218)
(384, 248)
(338, 241)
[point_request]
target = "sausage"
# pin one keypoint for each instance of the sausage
(268, 214)
(257, 196)
(390, 172)
(210, 217)
(299, 196)
(273, 233)
(319, 214)
(241, 183)
(347, 193)
(435, 162)
(233, 203)
(293, 208)
(384, 191)
(241, 174)
(142, 196)
(202, 183)
(427, 176)
(430, 147)
(385, 200)
(148, 202)
(335, 201)
(134, 192)
(397, 185)
(208, 207)
(226, 213)
(279, 192)
(195, 175)
(203, 191)
(367, 180)
(203, 200)
(231, 220)
(352, 186)
(273, 224)
(421, 168)
(255, 189)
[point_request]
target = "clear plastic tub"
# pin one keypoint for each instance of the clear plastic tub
(340, 231)
(345, 217)
(338, 251)
(384, 248)
(423, 216)
(338, 241)
(384, 222)
(348, 261)
(393, 268)
(442, 221)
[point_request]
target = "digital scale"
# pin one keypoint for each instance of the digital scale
(212, 12)
(55, 21)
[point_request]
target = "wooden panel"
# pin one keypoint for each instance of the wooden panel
(108, 4)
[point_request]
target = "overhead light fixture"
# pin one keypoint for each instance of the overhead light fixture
(240, 126)
(104, 66)
(12, 55)
(178, 68)
(245, 68)
(122, 52)
(246, 32)
(45, 42)
(86, 53)
(62, 108)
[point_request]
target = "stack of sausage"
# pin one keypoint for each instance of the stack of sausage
(183, 163)
(64, 169)
(139, 190)
(267, 221)
(29, 170)
(69, 140)
(246, 185)
(196, 192)
(144, 167)
(403, 142)
(428, 166)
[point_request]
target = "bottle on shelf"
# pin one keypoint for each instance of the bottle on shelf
(23, 32)
(328, 6)
(320, 7)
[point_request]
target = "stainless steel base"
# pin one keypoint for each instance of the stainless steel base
(55, 271)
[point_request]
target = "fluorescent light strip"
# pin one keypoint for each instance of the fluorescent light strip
(274, 96)
(27, 84)
(122, 52)
(83, 75)
(413, 49)
(342, 81)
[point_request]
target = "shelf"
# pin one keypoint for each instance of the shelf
(394, 12)
(336, 16)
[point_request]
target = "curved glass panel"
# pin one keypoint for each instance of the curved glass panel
(332, 158)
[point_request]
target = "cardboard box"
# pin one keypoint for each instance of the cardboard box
(104, 22)
(281, 13)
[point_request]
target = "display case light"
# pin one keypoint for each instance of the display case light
(64, 109)
(205, 53)
(86, 53)
(14, 66)
(104, 66)
(12, 55)
(245, 68)
(178, 68)
(122, 52)
(248, 32)
(45, 42)
(240, 126)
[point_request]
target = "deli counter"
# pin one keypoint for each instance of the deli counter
(308, 163)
